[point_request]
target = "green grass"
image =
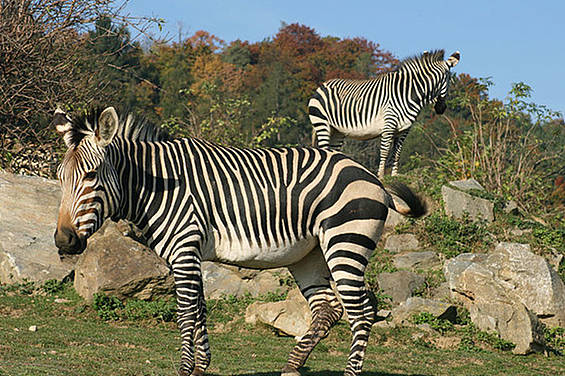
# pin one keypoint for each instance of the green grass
(72, 339)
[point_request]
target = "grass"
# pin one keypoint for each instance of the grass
(72, 339)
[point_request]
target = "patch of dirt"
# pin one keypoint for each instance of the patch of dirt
(12, 312)
(446, 343)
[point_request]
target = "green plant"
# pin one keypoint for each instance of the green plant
(472, 337)
(508, 147)
(107, 306)
(25, 287)
(380, 262)
(555, 338)
(53, 286)
(163, 310)
(451, 236)
(441, 325)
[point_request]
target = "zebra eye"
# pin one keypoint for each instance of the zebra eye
(90, 175)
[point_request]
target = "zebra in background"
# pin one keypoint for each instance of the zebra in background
(317, 212)
(384, 106)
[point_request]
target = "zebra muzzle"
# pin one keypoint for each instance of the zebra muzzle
(440, 106)
(69, 242)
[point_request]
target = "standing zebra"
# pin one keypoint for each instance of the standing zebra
(315, 211)
(384, 106)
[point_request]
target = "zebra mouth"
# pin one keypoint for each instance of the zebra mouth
(76, 248)
(440, 106)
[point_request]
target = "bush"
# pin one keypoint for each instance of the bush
(107, 306)
(450, 236)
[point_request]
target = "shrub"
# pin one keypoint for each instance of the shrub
(107, 306)
(450, 236)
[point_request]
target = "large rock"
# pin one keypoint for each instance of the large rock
(400, 285)
(28, 218)
(402, 242)
(117, 265)
(291, 316)
(509, 290)
(414, 305)
(458, 203)
(221, 280)
(393, 219)
(467, 185)
(417, 260)
(512, 321)
(511, 272)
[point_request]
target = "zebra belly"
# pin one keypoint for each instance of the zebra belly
(253, 256)
(365, 131)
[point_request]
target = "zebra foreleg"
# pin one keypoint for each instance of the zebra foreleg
(201, 344)
(313, 278)
(188, 286)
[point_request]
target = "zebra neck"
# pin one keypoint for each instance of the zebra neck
(426, 81)
(147, 181)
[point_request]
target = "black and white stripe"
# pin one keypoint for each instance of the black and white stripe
(384, 106)
(315, 211)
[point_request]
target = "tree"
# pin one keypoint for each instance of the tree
(41, 54)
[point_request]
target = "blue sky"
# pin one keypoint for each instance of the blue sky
(509, 41)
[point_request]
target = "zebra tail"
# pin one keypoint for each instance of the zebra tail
(404, 201)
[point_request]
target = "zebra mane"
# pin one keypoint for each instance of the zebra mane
(130, 127)
(425, 57)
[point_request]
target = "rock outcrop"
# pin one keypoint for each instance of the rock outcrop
(117, 265)
(509, 290)
(458, 203)
(28, 218)
(220, 280)
(291, 316)
(402, 242)
(414, 305)
(417, 260)
(400, 285)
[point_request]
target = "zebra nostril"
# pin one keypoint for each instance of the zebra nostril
(66, 238)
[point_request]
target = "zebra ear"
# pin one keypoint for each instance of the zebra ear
(453, 59)
(63, 125)
(107, 126)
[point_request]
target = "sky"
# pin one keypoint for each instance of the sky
(509, 41)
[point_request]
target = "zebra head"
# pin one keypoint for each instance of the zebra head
(445, 79)
(90, 184)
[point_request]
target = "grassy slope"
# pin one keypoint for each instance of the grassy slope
(72, 340)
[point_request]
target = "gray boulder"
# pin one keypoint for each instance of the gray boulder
(221, 280)
(393, 219)
(467, 185)
(400, 285)
(512, 321)
(417, 260)
(117, 265)
(290, 317)
(414, 305)
(28, 218)
(509, 283)
(512, 273)
(402, 242)
(457, 203)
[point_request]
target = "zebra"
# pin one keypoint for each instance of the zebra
(315, 211)
(384, 106)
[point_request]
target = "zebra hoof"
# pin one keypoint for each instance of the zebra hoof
(289, 371)
(184, 372)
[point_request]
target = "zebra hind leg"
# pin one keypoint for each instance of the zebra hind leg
(396, 149)
(347, 256)
(313, 278)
